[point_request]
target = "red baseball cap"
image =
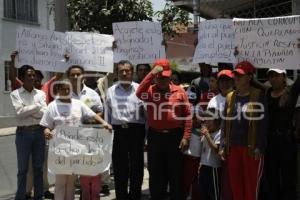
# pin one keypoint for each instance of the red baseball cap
(167, 72)
(226, 72)
(244, 68)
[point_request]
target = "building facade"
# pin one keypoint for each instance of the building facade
(15, 13)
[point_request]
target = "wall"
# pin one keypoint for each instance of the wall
(7, 45)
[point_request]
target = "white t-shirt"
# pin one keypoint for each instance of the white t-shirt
(195, 145)
(208, 156)
(59, 113)
(217, 102)
(90, 98)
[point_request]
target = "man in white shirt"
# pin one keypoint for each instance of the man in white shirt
(29, 104)
(126, 114)
(81, 91)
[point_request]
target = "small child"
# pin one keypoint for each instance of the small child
(210, 163)
(191, 157)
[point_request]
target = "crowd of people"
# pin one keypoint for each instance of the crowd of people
(226, 136)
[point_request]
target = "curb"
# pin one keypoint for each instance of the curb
(7, 131)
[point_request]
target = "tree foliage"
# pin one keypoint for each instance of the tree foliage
(98, 15)
(172, 18)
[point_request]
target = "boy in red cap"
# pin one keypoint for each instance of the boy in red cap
(244, 134)
(170, 122)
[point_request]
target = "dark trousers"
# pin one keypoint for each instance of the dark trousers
(280, 168)
(165, 163)
(30, 143)
(128, 161)
(209, 183)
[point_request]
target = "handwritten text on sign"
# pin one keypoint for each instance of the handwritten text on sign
(215, 42)
(75, 150)
(269, 42)
(138, 42)
(44, 50)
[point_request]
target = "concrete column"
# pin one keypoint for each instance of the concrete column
(61, 16)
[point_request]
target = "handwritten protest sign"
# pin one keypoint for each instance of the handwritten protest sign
(91, 50)
(138, 42)
(42, 49)
(45, 50)
(215, 42)
(269, 42)
(78, 150)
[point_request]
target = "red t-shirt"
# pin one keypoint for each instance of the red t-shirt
(166, 111)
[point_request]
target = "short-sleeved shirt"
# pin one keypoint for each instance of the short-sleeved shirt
(195, 144)
(208, 156)
(217, 102)
(70, 114)
(91, 98)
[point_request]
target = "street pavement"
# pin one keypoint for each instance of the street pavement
(8, 169)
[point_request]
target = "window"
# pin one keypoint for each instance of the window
(24, 10)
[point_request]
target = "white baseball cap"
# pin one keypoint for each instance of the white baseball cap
(279, 71)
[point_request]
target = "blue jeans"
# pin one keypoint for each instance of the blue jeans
(30, 143)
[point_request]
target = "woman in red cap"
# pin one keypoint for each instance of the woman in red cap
(170, 122)
(244, 134)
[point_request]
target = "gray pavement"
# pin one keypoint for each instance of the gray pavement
(8, 169)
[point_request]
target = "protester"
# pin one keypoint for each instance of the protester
(69, 112)
(141, 72)
(98, 83)
(244, 134)
(210, 164)
(126, 113)
(201, 83)
(90, 185)
(280, 159)
(29, 184)
(191, 157)
(212, 91)
(225, 86)
(170, 123)
(29, 104)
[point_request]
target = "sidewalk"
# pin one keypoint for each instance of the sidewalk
(145, 189)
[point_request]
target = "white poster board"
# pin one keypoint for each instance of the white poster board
(78, 150)
(42, 49)
(138, 42)
(269, 42)
(45, 50)
(91, 50)
(216, 42)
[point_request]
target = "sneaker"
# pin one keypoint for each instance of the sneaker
(48, 195)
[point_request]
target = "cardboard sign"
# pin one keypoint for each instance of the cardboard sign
(269, 42)
(215, 42)
(45, 50)
(138, 42)
(78, 150)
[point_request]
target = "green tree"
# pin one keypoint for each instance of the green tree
(172, 17)
(98, 15)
